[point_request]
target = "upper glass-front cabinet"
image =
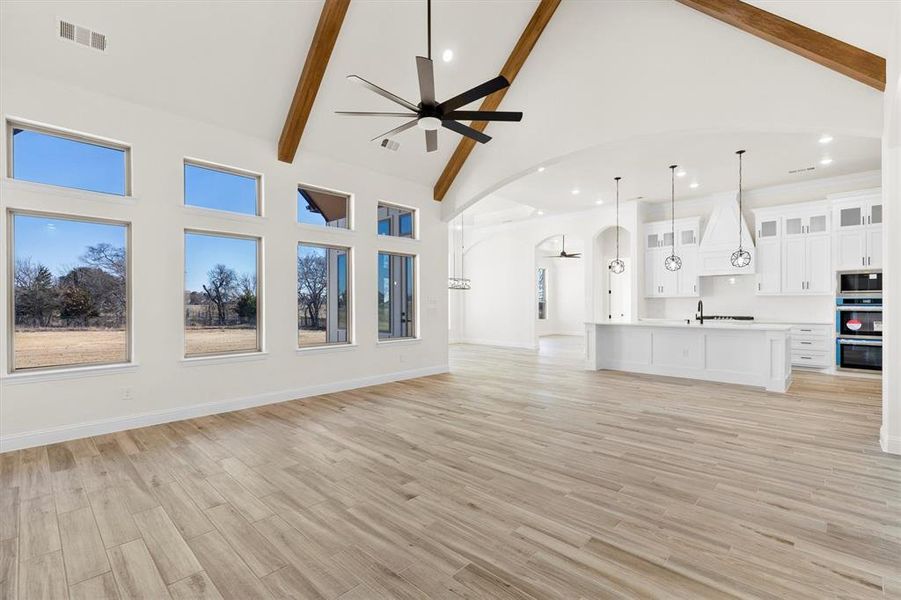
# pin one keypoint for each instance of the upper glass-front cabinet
(851, 216)
(768, 228)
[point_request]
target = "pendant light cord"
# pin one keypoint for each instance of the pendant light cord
(462, 247)
(740, 152)
(672, 212)
(454, 245)
(617, 216)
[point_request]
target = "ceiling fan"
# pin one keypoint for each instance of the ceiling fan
(564, 253)
(429, 114)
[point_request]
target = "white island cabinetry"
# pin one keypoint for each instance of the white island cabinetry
(749, 354)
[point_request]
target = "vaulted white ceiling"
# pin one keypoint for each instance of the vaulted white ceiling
(603, 73)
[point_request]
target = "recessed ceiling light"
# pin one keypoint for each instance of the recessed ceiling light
(680, 173)
(598, 201)
(447, 55)
(825, 138)
(540, 212)
(540, 169)
(575, 191)
(826, 161)
(693, 185)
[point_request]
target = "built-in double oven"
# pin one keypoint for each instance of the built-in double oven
(858, 321)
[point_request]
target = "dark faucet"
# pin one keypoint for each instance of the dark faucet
(700, 314)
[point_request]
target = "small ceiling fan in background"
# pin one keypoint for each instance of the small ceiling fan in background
(564, 253)
(429, 114)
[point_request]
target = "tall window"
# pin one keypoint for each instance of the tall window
(221, 189)
(396, 296)
(396, 221)
(322, 295)
(542, 293)
(221, 292)
(318, 207)
(65, 160)
(70, 292)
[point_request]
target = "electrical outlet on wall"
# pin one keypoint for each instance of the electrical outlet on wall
(128, 393)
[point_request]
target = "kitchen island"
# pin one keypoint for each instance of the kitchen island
(744, 353)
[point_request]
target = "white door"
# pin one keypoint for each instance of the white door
(669, 282)
(852, 249)
(688, 275)
(794, 263)
(769, 266)
(819, 271)
(618, 293)
(874, 247)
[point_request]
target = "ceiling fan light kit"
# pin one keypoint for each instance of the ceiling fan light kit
(616, 265)
(740, 258)
(430, 115)
(673, 262)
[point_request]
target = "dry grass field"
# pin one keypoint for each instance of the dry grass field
(310, 337)
(212, 340)
(61, 347)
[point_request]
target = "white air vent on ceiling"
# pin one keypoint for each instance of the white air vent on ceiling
(82, 35)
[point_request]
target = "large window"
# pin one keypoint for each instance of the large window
(396, 302)
(70, 292)
(396, 221)
(221, 293)
(45, 156)
(322, 295)
(318, 207)
(221, 189)
(542, 293)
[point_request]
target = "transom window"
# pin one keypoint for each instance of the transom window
(70, 292)
(396, 299)
(323, 296)
(67, 160)
(396, 221)
(220, 188)
(319, 207)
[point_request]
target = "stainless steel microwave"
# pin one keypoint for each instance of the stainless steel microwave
(860, 282)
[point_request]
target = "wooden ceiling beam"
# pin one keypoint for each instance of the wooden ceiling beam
(518, 56)
(835, 54)
(330, 20)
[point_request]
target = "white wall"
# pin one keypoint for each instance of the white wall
(38, 408)
(565, 296)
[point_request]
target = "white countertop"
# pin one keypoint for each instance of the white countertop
(681, 324)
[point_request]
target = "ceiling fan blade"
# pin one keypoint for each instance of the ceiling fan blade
(426, 71)
(479, 91)
(357, 113)
(431, 140)
(574, 255)
(384, 93)
(483, 115)
(467, 131)
(395, 131)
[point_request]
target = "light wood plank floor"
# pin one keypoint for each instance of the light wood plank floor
(517, 476)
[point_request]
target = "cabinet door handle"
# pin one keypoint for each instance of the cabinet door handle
(869, 260)
(758, 287)
(863, 261)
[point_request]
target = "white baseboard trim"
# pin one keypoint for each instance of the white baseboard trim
(497, 343)
(64, 433)
(890, 444)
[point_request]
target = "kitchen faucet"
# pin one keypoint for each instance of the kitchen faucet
(700, 314)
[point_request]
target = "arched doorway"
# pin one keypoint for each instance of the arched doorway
(613, 292)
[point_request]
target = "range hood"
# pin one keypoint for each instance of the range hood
(720, 240)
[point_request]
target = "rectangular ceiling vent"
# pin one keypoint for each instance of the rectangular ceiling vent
(82, 35)
(801, 170)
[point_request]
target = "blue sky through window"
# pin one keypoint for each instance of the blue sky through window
(45, 158)
(203, 251)
(58, 244)
(221, 190)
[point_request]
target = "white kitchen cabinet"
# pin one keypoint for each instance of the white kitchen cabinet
(769, 266)
(818, 265)
(857, 219)
(659, 282)
(794, 271)
(806, 268)
(688, 279)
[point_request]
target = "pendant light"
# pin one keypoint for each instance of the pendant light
(616, 265)
(741, 257)
(673, 262)
(459, 283)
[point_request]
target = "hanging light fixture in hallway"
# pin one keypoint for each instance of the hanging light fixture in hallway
(616, 265)
(454, 282)
(673, 262)
(741, 257)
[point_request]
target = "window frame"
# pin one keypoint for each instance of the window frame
(75, 136)
(351, 301)
(221, 168)
(260, 349)
(541, 290)
(349, 200)
(415, 300)
(11, 369)
(414, 216)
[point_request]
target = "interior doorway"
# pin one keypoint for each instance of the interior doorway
(613, 291)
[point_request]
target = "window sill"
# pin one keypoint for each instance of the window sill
(216, 213)
(401, 239)
(220, 359)
(399, 341)
(33, 187)
(37, 376)
(325, 349)
(324, 229)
